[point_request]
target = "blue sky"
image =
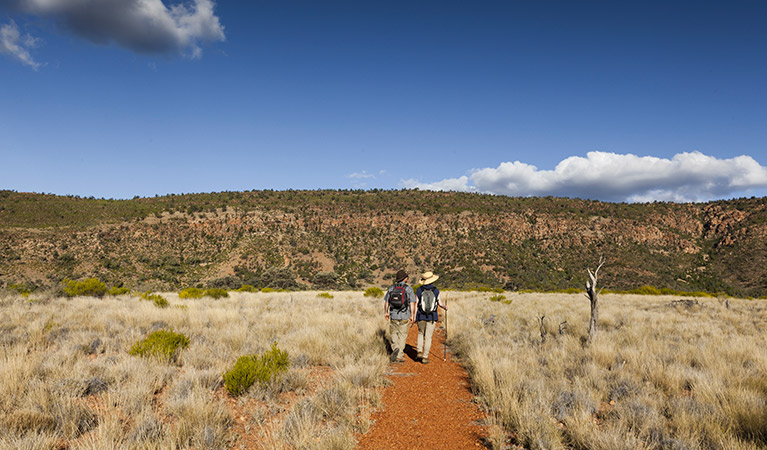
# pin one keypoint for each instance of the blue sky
(610, 100)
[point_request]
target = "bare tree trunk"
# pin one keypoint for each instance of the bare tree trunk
(593, 296)
(543, 329)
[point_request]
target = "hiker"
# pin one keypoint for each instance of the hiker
(399, 310)
(428, 301)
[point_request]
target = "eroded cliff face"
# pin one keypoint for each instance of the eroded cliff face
(519, 245)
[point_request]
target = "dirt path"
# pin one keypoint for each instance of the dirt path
(428, 406)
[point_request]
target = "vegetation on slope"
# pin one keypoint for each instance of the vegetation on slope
(351, 239)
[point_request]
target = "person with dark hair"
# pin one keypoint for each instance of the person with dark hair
(427, 317)
(399, 309)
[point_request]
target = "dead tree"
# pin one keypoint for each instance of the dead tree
(543, 329)
(593, 296)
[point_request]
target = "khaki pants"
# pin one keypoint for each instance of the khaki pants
(398, 331)
(425, 330)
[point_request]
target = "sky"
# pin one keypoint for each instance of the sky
(615, 101)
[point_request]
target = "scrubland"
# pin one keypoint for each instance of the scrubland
(67, 379)
(661, 374)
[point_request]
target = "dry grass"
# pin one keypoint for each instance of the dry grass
(660, 375)
(66, 378)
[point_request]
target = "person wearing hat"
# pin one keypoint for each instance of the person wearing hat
(427, 320)
(399, 309)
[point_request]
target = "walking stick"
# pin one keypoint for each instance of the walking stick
(444, 357)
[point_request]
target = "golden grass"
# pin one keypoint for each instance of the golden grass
(660, 375)
(66, 377)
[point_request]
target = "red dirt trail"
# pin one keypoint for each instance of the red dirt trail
(427, 406)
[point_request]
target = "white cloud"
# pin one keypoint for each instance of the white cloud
(13, 43)
(460, 184)
(360, 175)
(617, 177)
(144, 26)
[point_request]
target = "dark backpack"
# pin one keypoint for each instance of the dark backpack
(398, 297)
(428, 302)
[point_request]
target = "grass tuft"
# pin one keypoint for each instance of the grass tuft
(255, 368)
(158, 300)
(375, 292)
(162, 344)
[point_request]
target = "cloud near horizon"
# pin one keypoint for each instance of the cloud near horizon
(615, 177)
(142, 26)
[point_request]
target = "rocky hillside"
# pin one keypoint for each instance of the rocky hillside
(342, 239)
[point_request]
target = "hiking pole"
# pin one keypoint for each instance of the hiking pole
(444, 357)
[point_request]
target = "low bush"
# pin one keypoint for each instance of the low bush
(23, 289)
(500, 298)
(216, 293)
(191, 292)
(246, 288)
(268, 290)
(251, 368)
(325, 295)
(488, 289)
(375, 292)
(158, 300)
(91, 287)
(652, 290)
(571, 290)
(115, 291)
(162, 344)
(194, 292)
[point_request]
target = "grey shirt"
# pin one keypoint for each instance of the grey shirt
(402, 314)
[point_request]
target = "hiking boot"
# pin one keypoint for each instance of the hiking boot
(420, 355)
(399, 360)
(394, 354)
(424, 360)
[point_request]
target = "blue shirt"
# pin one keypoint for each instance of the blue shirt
(432, 316)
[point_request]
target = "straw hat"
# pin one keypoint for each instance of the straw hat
(428, 278)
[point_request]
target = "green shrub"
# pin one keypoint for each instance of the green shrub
(268, 290)
(251, 368)
(194, 292)
(325, 295)
(246, 288)
(22, 289)
(374, 292)
(191, 292)
(652, 290)
(497, 290)
(162, 344)
(115, 291)
(90, 287)
(158, 300)
(571, 290)
(498, 298)
(216, 293)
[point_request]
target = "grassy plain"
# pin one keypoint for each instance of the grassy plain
(662, 373)
(67, 379)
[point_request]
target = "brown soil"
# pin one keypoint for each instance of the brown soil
(427, 406)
